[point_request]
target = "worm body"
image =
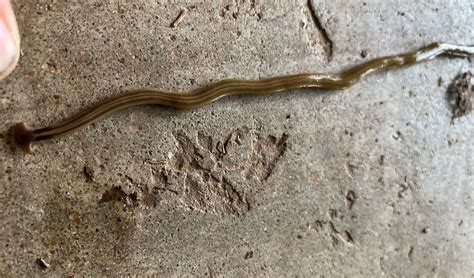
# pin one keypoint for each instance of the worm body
(24, 137)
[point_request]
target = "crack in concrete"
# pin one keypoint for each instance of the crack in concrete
(327, 42)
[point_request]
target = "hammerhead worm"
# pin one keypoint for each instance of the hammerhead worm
(24, 137)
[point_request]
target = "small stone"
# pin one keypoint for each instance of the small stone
(248, 255)
(42, 263)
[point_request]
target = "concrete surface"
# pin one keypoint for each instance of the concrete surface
(371, 181)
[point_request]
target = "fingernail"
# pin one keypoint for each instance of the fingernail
(8, 50)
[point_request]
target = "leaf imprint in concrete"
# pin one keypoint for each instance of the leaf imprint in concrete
(208, 177)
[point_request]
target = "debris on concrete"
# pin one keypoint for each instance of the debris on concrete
(42, 263)
(179, 18)
(461, 95)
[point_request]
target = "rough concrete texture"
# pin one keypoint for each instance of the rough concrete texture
(375, 180)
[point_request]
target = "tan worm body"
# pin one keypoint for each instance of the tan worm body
(24, 137)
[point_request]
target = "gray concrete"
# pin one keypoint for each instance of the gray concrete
(372, 181)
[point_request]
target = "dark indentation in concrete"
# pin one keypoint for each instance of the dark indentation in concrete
(461, 94)
(143, 196)
(118, 195)
(351, 169)
(333, 228)
(332, 213)
(403, 190)
(350, 198)
(335, 240)
(248, 255)
(328, 43)
(319, 225)
(410, 253)
(149, 198)
(348, 237)
(88, 173)
(336, 235)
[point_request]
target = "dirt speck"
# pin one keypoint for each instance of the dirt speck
(248, 255)
(77, 219)
(382, 160)
(179, 18)
(460, 95)
(440, 82)
(397, 135)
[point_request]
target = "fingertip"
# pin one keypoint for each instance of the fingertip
(9, 39)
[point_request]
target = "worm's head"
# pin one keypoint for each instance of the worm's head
(23, 137)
